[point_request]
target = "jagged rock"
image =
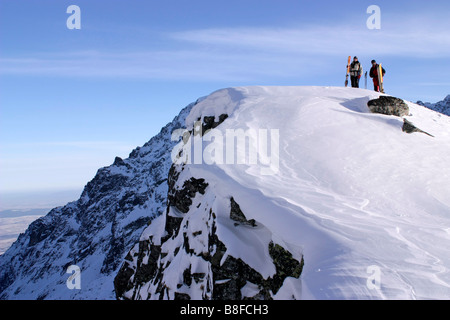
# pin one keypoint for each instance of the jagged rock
(210, 123)
(118, 161)
(409, 127)
(232, 276)
(389, 105)
(182, 199)
(394, 106)
(220, 277)
(146, 257)
(237, 215)
(122, 280)
(285, 264)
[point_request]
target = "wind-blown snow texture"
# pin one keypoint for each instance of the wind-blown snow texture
(352, 192)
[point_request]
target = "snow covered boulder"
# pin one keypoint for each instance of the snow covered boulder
(389, 105)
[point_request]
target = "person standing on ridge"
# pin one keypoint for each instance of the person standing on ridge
(374, 75)
(356, 71)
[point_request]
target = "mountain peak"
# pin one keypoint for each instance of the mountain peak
(259, 193)
(96, 232)
(441, 106)
(325, 206)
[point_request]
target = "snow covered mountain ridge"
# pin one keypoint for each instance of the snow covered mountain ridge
(356, 208)
(441, 106)
(350, 207)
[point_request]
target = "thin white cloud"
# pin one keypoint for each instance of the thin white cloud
(246, 54)
(150, 65)
(432, 41)
(195, 64)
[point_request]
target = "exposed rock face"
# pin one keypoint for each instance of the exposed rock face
(189, 245)
(184, 254)
(237, 215)
(210, 123)
(389, 105)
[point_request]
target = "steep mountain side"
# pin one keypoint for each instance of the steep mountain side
(441, 106)
(338, 203)
(204, 248)
(96, 231)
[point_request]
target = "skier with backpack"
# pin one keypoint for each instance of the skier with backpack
(377, 78)
(356, 71)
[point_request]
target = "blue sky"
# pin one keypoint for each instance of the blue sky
(71, 100)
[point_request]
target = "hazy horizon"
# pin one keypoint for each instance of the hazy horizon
(38, 199)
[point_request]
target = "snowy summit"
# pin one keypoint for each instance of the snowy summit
(363, 205)
(271, 193)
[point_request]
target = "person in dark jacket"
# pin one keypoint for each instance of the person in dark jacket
(374, 75)
(355, 72)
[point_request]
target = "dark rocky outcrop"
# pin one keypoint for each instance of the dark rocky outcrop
(227, 275)
(237, 215)
(285, 264)
(182, 198)
(389, 106)
(209, 122)
(221, 276)
(409, 127)
(394, 107)
(142, 272)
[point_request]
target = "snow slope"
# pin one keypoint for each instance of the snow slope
(367, 204)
